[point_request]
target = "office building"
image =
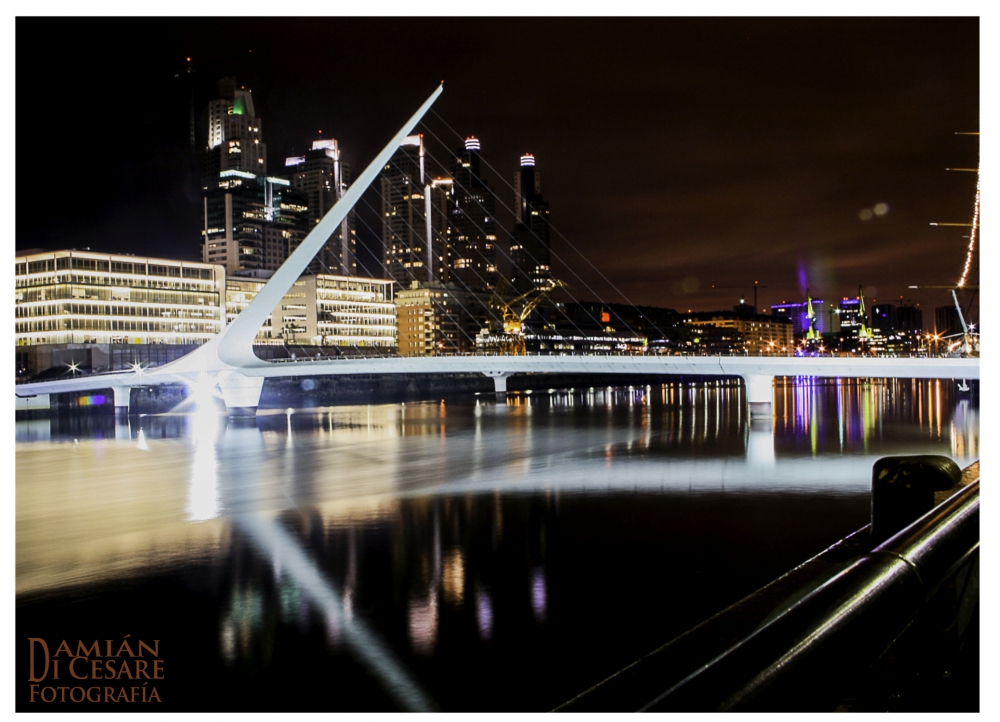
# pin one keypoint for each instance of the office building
(799, 313)
(853, 316)
(322, 310)
(251, 220)
(530, 249)
(415, 229)
(473, 205)
(761, 335)
(910, 318)
(884, 318)
(946, 321)
(83, 297)
(323, 177)
(234, 135)
(435, 319)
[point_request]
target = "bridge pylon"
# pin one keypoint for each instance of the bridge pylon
(760, 395)
(240, 392)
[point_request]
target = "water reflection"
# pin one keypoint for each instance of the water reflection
(470, 555)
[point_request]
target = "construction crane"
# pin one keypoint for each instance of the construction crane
(812, 334)
(510, 321)
(865, 332)
(756, 285)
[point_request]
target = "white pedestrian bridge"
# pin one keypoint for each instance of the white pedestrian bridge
(227, 364)
(240, 386)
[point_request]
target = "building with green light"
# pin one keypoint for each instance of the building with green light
(251, 221)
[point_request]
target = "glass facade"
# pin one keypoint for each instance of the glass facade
(323, 310)
(87, 297)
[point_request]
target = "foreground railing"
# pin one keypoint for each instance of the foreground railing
(801, 642)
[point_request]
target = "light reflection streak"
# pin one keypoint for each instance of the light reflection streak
(203, 483)
(484, 614)
(371, 651)
(422, 622)
(539, 594)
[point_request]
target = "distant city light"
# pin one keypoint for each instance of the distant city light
(472, 143)
(527, 160)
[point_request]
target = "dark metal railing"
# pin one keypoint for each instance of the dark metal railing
(796, 644)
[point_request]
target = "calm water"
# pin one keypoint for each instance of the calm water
(460, 556)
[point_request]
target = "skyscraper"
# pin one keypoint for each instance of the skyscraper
(415, 208)
(884, 317)
(474, 264)
(250, 219)
(323, 177)
(234, 139)
(531, 257)
(909, 318)
(946, 321)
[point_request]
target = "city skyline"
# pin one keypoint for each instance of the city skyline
(660, 162)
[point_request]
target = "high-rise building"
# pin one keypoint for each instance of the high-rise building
(853, 319)
(435, 318)
(474, 262)
(884, 317)
(415, 209)
(946, 321)
(234, 137)
(799, 314)
(250, 219)
(323, 177)
(909, 318)
(530, 250)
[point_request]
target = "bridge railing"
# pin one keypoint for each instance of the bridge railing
(805, 641)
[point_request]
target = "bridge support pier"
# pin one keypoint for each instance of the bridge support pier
(760, 395)
(123, 395)
(499, 380)
(241, 393)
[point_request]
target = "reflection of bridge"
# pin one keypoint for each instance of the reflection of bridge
(241, 385)
(228, 362)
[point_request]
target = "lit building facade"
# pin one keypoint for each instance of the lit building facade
(72, 297)
(250, 220)
(474, 262)
(761, 335)
(234, 137)
(435, 318)
(322, 310)
(530, 249)
(323, 177)
(798, 313)
(416, 236)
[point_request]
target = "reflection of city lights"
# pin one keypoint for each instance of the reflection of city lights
(227, 640)
(539, 599)
(454, 578)
(484, 614)
(423, 622)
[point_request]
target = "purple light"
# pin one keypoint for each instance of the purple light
(484, 614)
(539, 600)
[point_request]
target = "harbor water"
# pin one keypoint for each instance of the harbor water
(468, 554)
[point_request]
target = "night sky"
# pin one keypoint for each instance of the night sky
(675, 153)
